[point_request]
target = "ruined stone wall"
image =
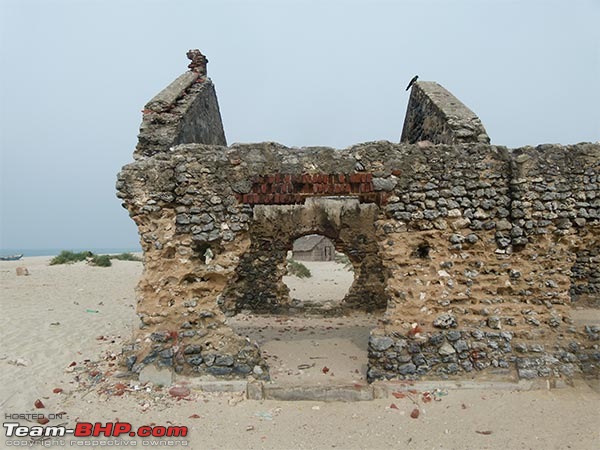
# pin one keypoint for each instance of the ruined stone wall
(434, 114)
(479, 249)
(461, 251)
(473, 253)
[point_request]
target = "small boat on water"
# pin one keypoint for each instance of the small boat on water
(11, 257)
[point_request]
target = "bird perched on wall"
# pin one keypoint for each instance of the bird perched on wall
(413, 81)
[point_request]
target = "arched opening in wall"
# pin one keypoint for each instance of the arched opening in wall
(317, 275)
(318, 329)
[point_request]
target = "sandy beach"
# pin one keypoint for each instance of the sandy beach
(63, 327)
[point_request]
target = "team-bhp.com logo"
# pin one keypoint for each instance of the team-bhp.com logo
(92, 430)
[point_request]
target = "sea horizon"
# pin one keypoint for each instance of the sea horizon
(55, 251)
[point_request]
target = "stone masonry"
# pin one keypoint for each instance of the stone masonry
(434, 114)
(186, 111)
(473, 253)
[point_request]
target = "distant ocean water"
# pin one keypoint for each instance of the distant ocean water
(55, 251)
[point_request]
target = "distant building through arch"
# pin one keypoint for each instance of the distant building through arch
(313, 247)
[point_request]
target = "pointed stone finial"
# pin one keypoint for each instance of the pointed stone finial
(198, 63)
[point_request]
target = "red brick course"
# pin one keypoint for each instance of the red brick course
(289, 189)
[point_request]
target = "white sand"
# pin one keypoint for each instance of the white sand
(45, 325)
(44, 320)
(329, 281)
(291, 344)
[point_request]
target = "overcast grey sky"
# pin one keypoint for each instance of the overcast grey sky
(75, 75)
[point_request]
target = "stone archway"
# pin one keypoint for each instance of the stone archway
(258, 286)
